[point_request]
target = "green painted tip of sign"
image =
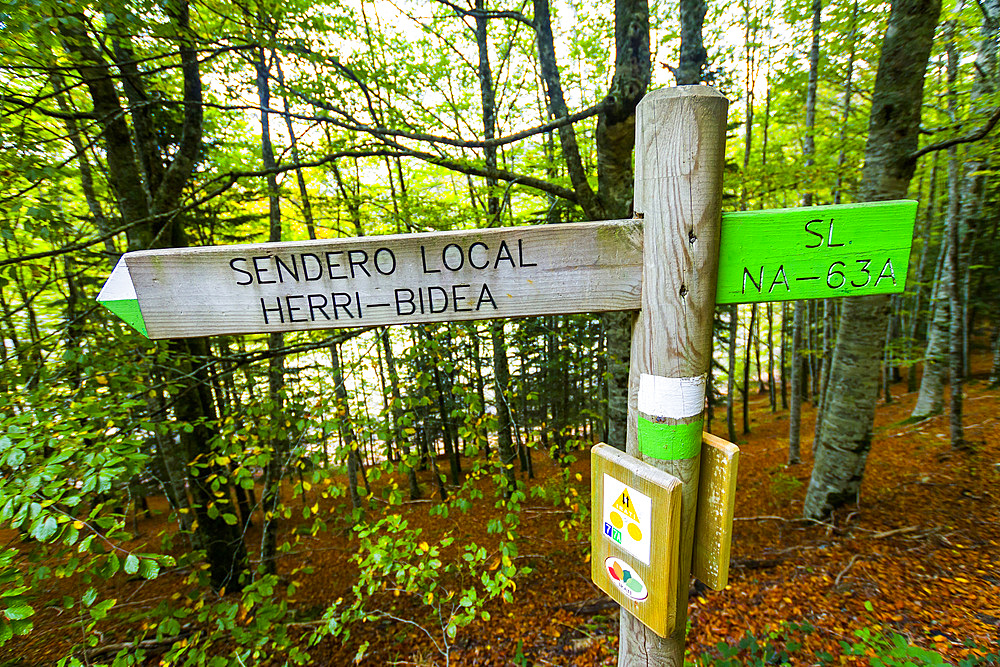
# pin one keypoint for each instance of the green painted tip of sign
(118, 296)
(128, 311)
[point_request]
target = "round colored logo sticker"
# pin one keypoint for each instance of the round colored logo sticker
(625, 579)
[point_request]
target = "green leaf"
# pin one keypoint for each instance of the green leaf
(89, 596)
(149, 568)
(15, 458)
(21, 627)
(112, 565)
(18, 612)
(131, 564)
(8, 510)
(45, 529)
(100, 610)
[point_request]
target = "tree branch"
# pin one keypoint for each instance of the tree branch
(357, 126)
(975, 135)
(35, 106)
(502, 14)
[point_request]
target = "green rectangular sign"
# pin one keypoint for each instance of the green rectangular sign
(815, 252)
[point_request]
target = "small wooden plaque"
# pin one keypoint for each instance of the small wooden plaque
(713, 531)
(635, 536)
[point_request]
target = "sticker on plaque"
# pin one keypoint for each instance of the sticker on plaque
(628, 520)
(625, 579)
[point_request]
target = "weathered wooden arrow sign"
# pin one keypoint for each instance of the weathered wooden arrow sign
(773, 255)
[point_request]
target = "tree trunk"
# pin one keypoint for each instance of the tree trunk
(887, 357)
(784, 355)
(144, 199)
(223, 543)
(799, 360)
(734, 319)
(961, 231)
(798, 368)
(397, 414)
(275, 468)
(893, 137)
(618, 331)
(693, 56)
(995, 370)
(930, 400)
(556, 106)
(829, 336)
(307, 214)
(615, 139)
(346, 425)
(956, 368)
(450, 445)
(501, 373)
(926, 259)
(746, 370)
(770, 358)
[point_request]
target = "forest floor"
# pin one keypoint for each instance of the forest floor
(917, 556)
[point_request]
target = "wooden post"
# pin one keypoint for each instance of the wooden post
(680, 152)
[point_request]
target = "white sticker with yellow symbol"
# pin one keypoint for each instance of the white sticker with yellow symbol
(628, 518)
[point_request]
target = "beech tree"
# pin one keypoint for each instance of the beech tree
(148, 178)
(890, 159)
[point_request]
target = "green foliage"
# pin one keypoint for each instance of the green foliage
(61, 462)
(894, 650)
(437, 588)
(783, 646)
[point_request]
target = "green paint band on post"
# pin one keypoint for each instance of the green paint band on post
(669, 442)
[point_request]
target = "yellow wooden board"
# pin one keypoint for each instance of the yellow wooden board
(635, 536)
(713, 531)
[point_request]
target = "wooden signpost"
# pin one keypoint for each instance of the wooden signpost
(672, 497)
(495, 273)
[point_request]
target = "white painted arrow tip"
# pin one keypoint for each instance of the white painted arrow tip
(118, 285)
(118, 295)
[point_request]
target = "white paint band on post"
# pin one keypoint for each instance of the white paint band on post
(674, 398)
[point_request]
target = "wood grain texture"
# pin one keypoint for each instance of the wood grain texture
(713, 526)
(659, 611)
(444, 276)
(680, 151)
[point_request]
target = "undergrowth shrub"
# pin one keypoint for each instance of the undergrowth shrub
(783, 647)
